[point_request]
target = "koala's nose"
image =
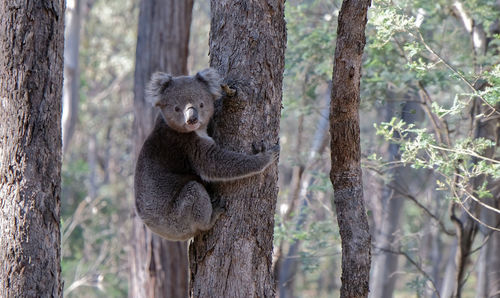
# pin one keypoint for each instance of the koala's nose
(191, 115)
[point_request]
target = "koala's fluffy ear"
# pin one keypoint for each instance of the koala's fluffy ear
(213, 81)
(156, 86)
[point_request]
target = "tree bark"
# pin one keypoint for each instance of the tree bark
(31, 74)
(247, 44)
(158, 267)
(345, 147)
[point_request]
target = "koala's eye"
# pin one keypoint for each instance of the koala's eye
(177, 109)
(201, 105)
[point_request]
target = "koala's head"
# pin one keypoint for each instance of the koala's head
(186, 102)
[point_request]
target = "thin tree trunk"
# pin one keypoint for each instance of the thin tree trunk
(31, 74)
(466, 226)
(158, 267)
(488, 284)
(345, 148)
(71, 71)
(493, 269)
(247, 44)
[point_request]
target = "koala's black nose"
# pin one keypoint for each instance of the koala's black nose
(191, 115)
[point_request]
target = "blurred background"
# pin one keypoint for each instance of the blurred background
(429, 131)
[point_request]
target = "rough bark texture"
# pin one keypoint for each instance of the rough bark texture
(31, 74)
(159, 268)
(247, 44)
(345, 147)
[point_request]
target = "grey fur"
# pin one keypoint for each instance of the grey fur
(213, 80)
(158, 81)
(178, 159)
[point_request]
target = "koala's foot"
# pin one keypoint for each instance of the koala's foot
(218, 207)
(198, 208)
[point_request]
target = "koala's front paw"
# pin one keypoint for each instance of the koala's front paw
(258, 147)
(275, 152)
(261, 148)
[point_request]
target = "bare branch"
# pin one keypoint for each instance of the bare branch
(416, 265)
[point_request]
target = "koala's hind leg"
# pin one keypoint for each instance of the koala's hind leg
(196, 207)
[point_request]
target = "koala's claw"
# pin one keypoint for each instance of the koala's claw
(275, 148)
(275, 151)
(219, 206)
(228, 90)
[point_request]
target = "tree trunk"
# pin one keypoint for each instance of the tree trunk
(493, 272)
(247, 45)
(31, 74)
(158, 267)
(488, 284)
(71, 71)
(345, 147)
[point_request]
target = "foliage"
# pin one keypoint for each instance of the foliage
(423, 148)
(420, 52)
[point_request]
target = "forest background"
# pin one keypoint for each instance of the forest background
(429, 133)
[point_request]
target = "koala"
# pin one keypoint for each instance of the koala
(178, 159)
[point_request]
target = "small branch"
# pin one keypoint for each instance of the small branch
(437, 122)
(468, 152)
(427, 211)
(454, 70)
(461, 204)
(414, 263)
(469, 195)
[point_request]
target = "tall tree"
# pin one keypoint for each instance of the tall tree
(247, 44)
(31, 73)
(158, 267)
(345, 147)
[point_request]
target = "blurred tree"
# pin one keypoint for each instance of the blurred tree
(247, 44)
(288, 267)
(385, 263)
(71, 70)
(31, 74)
(345, 149)
(158, 268)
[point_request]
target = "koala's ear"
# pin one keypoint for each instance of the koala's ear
(212, 79)
(156, 86)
